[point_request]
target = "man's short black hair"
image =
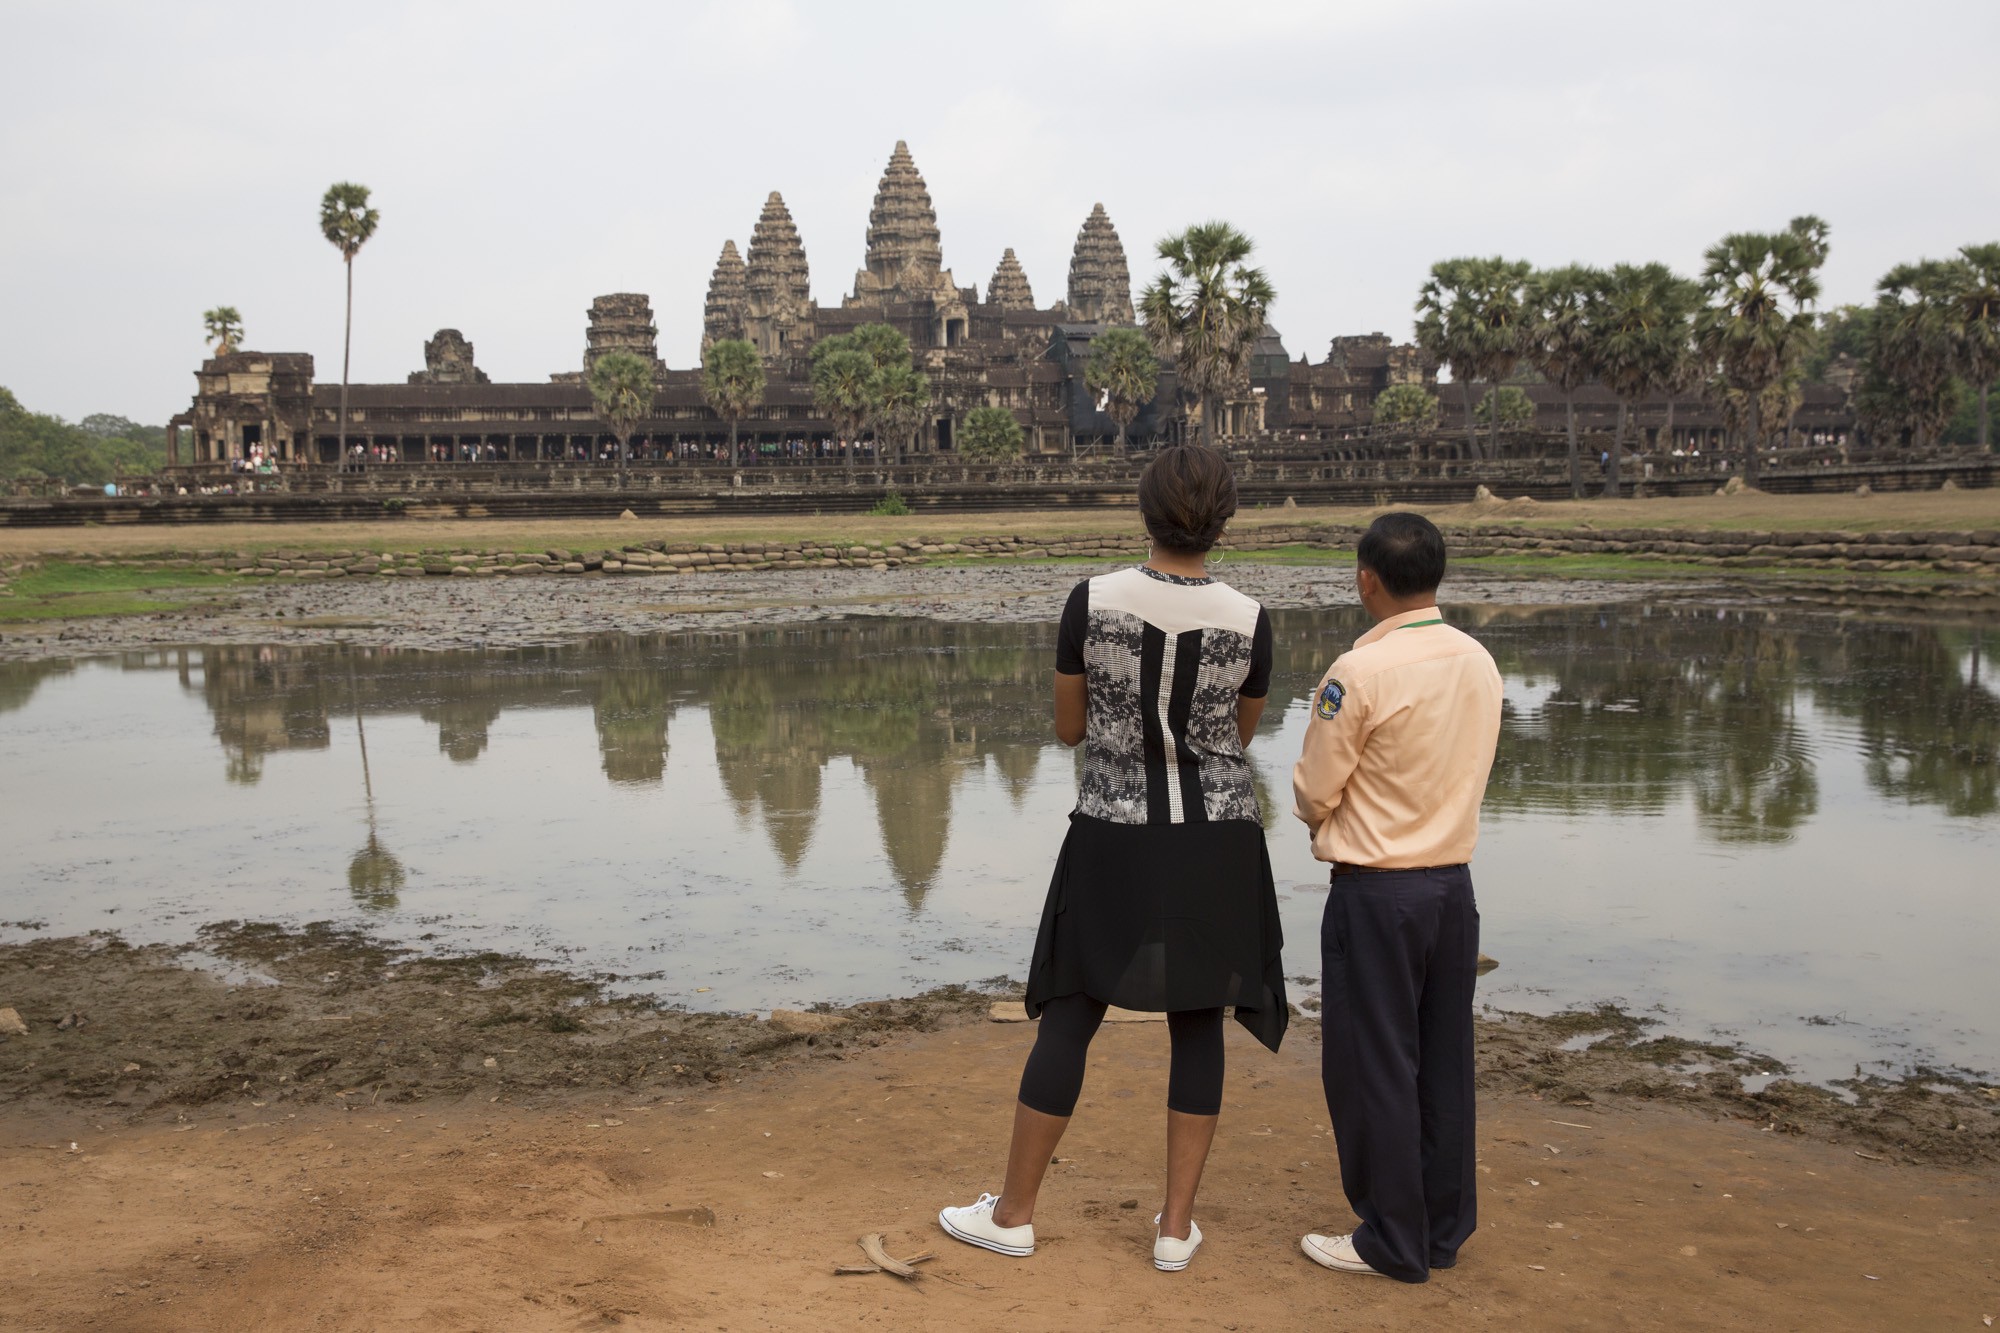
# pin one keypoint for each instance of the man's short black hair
(1406, 551)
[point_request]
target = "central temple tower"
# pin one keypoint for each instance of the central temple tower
(905, 252)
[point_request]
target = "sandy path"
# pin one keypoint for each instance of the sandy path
(473, 1215)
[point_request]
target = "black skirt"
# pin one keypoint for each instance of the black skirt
(1162, 918)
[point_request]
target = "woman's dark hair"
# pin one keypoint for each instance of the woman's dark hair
(1406, 551)
(1186, 494)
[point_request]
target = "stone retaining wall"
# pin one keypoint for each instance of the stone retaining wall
(1953, 552)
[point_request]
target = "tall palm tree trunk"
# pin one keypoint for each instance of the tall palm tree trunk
(1575, 459)
(1984, 420)
(1665, 439)
(1471, 431)
(1208, 401)
(1495, 455)
(1756, 440)
(732, 441)
(346, 351)
(1617, 448)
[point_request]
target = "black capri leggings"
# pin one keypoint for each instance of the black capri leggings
(1053, 1077)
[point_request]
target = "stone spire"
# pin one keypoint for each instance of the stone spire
(1009, 289)
(905, 253)
(1100, 286)
(776, 287)
(728, 301)
(621, 322)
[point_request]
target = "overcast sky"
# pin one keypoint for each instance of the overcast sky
(159, 159)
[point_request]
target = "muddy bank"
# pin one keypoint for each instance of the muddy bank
(255, 1016)
(448, 613)
(534, 612)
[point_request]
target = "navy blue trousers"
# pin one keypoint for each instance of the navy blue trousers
(1400, 951)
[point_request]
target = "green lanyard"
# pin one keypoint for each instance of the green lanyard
(1419, 624)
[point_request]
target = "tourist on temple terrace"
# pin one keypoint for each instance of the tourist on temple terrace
(1162, 898)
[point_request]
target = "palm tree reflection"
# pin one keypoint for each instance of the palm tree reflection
(374, 875)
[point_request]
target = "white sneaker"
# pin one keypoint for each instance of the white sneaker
(974, 1225)
(1171, 1255)
(1337, 1252)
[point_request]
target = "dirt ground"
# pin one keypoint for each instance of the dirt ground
(308, 1135)
(1929, 510)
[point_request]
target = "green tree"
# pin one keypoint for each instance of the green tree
(884, 345)
(1558, 341)
(1471, 316)
(841, 375)
(1506, 406)
(732, 381)
(1639, 321)
(882, 391)
(621, 392)
(1407, 405)
(991, 434)
(225, 328)
(1976, 294)
(346, 220)
(1916, 350)
(1124, 370)
(1758, 322)
(1207, 311)
(899, 399)
(36, 446)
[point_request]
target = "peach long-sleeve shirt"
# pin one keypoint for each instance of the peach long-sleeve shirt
(1399, 746)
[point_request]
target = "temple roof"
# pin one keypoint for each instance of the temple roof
(1100, 285)
(776, 273)
(905, 252)
(1009, 288)
(728, 300)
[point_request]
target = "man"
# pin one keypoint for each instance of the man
(1394, 765)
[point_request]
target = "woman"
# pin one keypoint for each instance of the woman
(1162, 897)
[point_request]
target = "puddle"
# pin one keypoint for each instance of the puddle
(1730, 817)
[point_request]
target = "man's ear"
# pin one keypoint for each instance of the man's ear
(1366, 582)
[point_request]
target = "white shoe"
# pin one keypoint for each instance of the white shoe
(1337, 1252)
(974, 1225)
(1170, 1255)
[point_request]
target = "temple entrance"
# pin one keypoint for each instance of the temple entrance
(944, 435)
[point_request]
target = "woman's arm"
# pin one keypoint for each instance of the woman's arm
(1248, 711)
(1071, 719)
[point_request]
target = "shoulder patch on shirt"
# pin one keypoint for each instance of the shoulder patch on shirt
(1331, 696)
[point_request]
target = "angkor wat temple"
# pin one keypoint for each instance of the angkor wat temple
(1004, 351)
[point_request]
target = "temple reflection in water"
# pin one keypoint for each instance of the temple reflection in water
(1626, 709)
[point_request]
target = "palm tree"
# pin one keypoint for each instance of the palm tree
(346, 220)
(1123, 368)
(1558, 341)
(732, 380)
(1470, 316)
(898, 399)
(1758, 323)
(1916, 348)
(1446, 333)
(1208, 312)
(1976, 292)
(621, 391)
(225, 328)
(840, 378)
(1639, 322)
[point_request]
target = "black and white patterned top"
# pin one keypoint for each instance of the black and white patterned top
(1166, 659)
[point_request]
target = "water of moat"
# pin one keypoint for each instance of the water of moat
(1778, 826)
